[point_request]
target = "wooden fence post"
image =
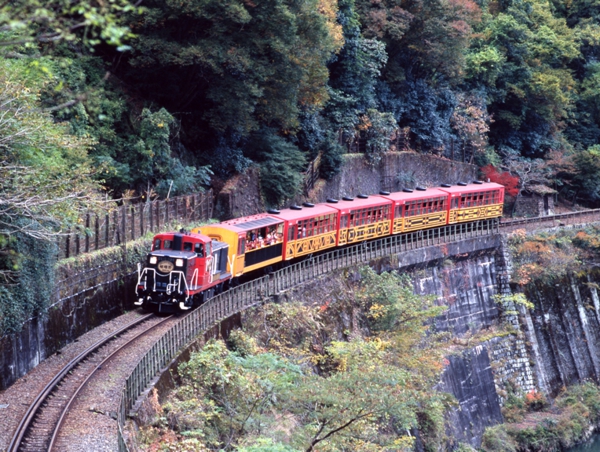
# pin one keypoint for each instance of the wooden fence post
(132, 210)
(87, 235)
(97, 233)
(68, 244)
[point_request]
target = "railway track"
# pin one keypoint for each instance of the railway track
(39, 427)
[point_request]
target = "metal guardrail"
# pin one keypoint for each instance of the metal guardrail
(553, 220)
(259, 290)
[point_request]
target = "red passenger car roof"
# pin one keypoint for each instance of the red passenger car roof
(359, 203)
(471, 188)
(305, 213)
(401, 197)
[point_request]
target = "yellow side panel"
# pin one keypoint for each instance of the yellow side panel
(429, 220)
(398, 225)
(262, 264)
(235, 263)
(302, 247)
(475, 213)
(365, 232)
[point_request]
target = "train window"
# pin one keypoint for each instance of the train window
(495, 197)
(307, 228)
(199, 249)
(167, 245)
(156, 245)
(454, 203)
(344, 222)
(187, 246)
(398, 211)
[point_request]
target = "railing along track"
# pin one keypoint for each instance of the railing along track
(38, 433)
(562, 219)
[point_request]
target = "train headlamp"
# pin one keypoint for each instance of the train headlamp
(179, 263)
(153, 260)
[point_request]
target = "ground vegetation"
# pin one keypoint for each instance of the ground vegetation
(296, 379)
(535, 424)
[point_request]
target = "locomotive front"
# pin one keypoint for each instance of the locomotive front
(171, 276)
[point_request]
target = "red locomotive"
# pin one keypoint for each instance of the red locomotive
(186, 268)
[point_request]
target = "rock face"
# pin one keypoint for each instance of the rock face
(78, 311)
(564, 330)
(241, 196)
(396, 170)
(469, 377)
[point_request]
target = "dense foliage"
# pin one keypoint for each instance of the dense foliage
(533, 425)
(157, 98)
(165, 89)
(289, 382)
(172, 92)
(550, 256)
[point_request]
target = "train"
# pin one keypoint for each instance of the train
(186, 268)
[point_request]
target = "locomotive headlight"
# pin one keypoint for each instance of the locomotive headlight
(179, 263)
(153, 260)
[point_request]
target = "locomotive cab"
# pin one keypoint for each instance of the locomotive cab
(181, 270)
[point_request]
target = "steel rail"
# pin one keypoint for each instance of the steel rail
(43, 395)
(65, 410)
(548, 218)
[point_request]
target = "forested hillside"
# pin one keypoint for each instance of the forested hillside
(109, 100)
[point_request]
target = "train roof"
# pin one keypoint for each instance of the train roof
(185, 234)
(345, 205)
(401, 196)
(249, 223)
(305, 212)
(471, 188)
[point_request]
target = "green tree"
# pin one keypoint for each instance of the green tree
(234, 65)
(33, 22)
(521, 56)
(281, 164)
(235, 394)
(46, 184)
(587, 181)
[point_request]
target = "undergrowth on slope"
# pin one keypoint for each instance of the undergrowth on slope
(353, 368)
(533, 424)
